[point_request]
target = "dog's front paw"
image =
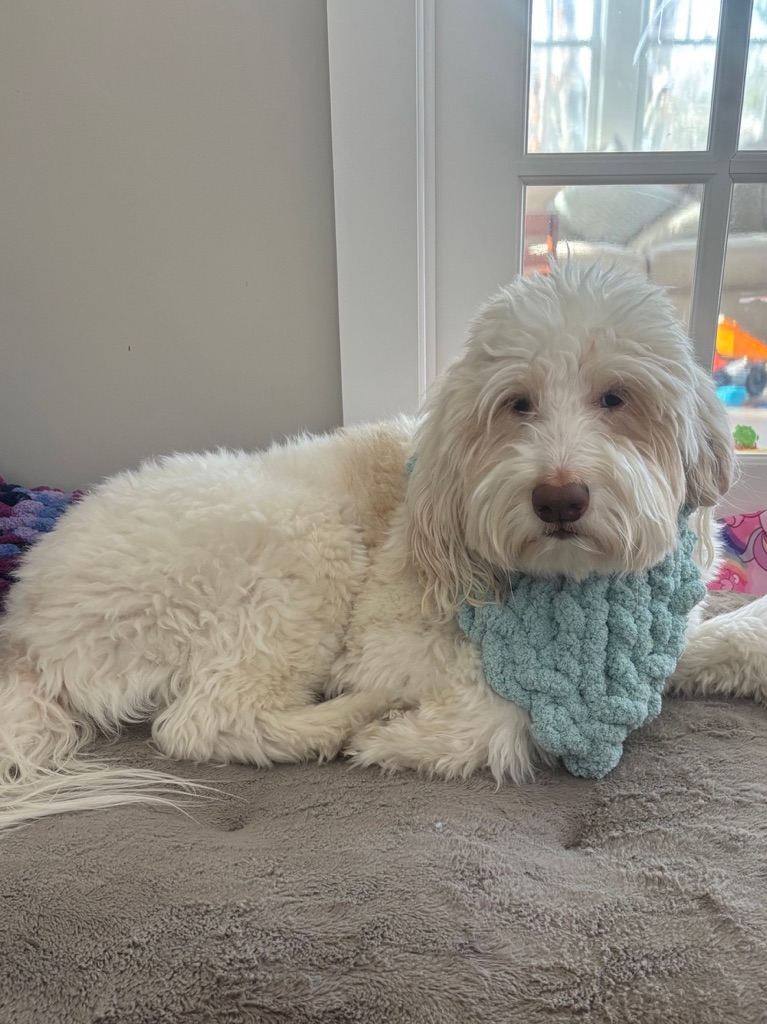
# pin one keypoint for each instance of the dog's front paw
(443, 743)
(371, 746)
(726, 657)
(410, 741)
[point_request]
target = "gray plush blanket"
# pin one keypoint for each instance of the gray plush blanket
(314, 894)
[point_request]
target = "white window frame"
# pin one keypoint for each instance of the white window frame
(383, 81)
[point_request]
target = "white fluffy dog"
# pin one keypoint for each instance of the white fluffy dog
(278, 606)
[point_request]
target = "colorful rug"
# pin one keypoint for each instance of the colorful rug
(25, 515)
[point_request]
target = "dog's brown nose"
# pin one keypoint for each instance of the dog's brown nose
(563, 503)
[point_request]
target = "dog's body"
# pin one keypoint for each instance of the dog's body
(224, 596)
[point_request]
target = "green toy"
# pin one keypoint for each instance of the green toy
(745, 436)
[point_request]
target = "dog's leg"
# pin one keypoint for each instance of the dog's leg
(726, 656)
(252, 678)
(451, 737)
(453, 723)
(225, 721)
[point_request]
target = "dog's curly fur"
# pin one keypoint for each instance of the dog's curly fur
(223, 596)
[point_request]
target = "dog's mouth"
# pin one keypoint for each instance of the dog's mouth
(567, 548)
(562, 533)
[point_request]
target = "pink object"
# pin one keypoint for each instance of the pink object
(745, 566)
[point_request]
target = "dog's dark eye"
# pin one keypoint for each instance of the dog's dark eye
(521, 404)
(611, 400)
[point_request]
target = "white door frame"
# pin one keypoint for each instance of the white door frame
(383, 125)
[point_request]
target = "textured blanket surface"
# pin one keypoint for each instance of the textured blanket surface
(313, 894)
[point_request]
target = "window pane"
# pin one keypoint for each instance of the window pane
(621, 75)
(652, 229)
(740, 362)
(559, 99)
(753, 124)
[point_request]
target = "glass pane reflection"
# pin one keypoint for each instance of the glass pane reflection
(614, 75)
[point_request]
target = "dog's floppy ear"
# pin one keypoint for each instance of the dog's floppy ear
(435, 503)
(435, 535)
(710, 464)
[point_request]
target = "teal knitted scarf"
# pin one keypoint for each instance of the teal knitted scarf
(588, 659)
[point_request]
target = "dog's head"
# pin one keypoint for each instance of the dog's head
(565, 439)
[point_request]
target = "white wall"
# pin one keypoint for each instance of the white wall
(167, 265)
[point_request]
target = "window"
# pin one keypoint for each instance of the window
(753, 122)
(607, 75)
(571, 128)
(615, 79)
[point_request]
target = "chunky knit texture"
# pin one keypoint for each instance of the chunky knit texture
(588, 659)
